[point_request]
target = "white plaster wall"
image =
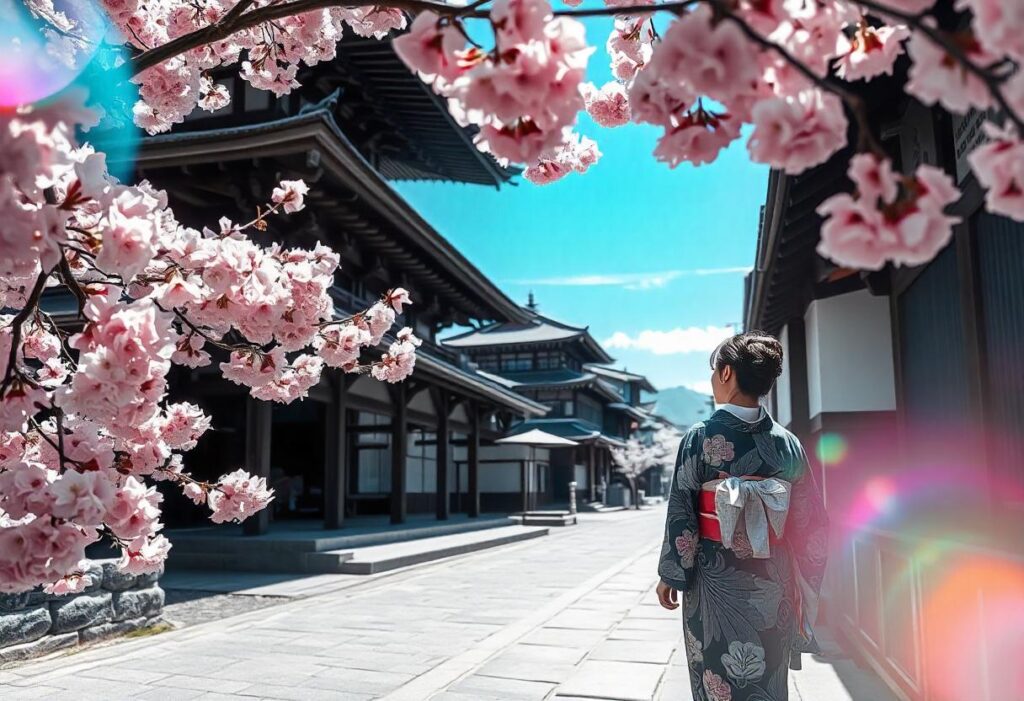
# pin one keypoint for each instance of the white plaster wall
(783, 404)
(849, 354)
(582, 476)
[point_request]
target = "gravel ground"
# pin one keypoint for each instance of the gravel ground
(186, 607)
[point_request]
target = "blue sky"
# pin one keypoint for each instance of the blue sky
(646, 256)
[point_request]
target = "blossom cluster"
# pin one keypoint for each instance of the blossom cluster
(524, 93)
(269, 55)
(85, 420)
(888, 218)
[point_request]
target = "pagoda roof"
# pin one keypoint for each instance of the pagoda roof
(635, 412)
(393, 118)
(574, 429)
(562, 378)
(353, 209)
(621, 376)
(536, 330)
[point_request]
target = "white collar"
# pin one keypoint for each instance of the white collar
(750, 414)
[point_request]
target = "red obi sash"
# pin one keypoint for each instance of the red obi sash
(707, 513)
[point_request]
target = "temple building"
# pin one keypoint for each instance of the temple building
(356, 446)
(907, 387)
(561, 367)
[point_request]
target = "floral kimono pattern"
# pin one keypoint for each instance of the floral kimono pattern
(741, 614)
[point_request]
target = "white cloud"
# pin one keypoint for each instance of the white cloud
(678, 340)
(631, 281)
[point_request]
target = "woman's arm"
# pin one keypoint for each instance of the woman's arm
(807, 533)
(681, 535)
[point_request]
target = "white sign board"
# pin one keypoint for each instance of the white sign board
(967, 135)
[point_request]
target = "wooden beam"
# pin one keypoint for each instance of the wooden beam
(473, 460)
(336, 453)
(399, 436)
(443, 435)
(258, 426)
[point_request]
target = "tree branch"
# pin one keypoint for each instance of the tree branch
(16, 325)
(229, 24)
(865, 136)
(943, 40)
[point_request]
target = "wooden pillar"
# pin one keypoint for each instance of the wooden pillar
(473, 458)
(399, 436)
(524, 484)
(443, 438)
(336, 467)
(258, 422)
(592, 466)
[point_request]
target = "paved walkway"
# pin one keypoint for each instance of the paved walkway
(568, 616)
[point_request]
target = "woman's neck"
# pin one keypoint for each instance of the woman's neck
(744, 401)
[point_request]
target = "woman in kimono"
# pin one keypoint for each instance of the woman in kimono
(745, 537)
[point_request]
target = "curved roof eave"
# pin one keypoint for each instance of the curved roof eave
(317, 128)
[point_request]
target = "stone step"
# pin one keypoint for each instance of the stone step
(382, 558)
(545, 518)
(329, 562)
(285, 541)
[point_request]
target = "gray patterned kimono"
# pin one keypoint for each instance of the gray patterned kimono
(741, 614)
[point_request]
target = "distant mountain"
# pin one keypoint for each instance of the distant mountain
(681, 405)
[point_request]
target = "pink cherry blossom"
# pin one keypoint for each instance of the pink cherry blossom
(25, 489)
(576, 155)
(340, 346)
(853, 234)
(195, 492)
(697, 137)
(237, 496)
(799, 133)
(709, 58)
(431, 47)
(82, 497)
(905, 225)
(399, 361)
(398, 298)
(999, 166)
(999, 25)
(810, 31)
(144, 555)
(935, 78)
(871, 52)
(72, 583)
(290, 194)
(183, 425)
(609, 105)
(519, 21)
(135, 511)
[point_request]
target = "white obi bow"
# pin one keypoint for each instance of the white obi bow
(761, 502)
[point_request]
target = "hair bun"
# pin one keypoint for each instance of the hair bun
(755, 357)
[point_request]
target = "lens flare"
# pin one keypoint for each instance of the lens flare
(975, 635)
(831, 449)
(44, 53)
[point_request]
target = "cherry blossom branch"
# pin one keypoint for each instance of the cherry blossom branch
(943, 40)
(228, 25)
(71, 283)
(16, 326)
(865, 136)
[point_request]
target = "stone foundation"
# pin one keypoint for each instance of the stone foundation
(113, 603)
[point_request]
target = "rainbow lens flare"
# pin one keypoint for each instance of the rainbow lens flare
(831, 449)
(43, 55)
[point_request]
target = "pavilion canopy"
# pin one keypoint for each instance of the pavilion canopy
(537, 437)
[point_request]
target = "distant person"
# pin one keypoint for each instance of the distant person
(745, 537)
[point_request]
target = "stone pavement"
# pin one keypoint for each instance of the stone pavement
(567, 616)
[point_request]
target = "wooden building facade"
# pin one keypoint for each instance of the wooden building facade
(562, 367)
(355, 446)
(907, 387)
